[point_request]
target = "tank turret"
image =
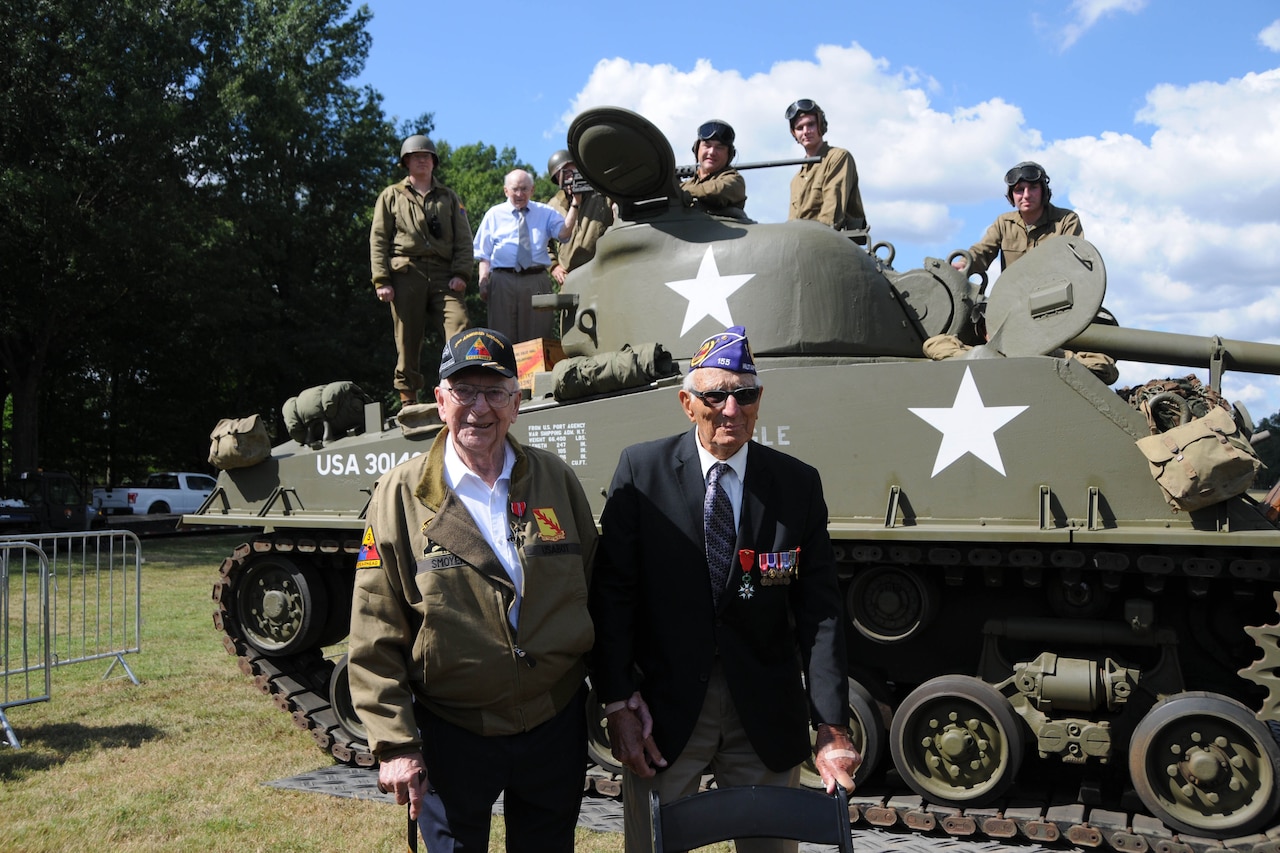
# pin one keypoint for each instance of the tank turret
(801, 288)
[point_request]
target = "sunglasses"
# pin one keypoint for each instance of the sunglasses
(804, 105)
(1030, 174)
(716, 130)
(716, 399)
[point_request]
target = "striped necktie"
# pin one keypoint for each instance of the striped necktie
(721, 537)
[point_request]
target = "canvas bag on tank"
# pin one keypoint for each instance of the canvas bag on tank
(238, 443)
(1201, 463)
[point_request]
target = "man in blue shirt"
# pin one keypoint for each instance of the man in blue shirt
(511, 246)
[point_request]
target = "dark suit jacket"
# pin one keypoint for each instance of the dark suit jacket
(656, 627)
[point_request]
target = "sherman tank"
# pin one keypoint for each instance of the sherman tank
(1040, 644)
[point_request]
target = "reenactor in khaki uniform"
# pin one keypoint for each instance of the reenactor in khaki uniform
(826, 191)
(420, 256)
(1032, 221)
(594, 218)
(716, 187)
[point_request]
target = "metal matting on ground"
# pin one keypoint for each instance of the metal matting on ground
(604, 814)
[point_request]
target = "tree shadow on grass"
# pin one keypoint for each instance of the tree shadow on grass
(47, 746)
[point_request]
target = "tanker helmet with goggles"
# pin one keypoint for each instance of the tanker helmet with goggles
(716, 130)
(1028, 172)
(807, 106)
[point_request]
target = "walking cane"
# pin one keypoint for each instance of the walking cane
(412, 832)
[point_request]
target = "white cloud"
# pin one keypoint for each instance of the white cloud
(1188, 222)
(1270, 37)
(911, 157)
(1086, 13)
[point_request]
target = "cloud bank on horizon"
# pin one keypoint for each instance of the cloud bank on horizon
(1187, 220)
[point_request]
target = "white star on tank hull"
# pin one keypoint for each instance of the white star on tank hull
(709, 293)
(968, 426)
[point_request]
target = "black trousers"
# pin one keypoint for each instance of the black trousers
(540, 774)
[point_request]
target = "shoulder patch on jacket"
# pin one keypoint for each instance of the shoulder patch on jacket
(549, 529)
(368, 557)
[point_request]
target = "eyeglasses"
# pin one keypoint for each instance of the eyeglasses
(1030, 174)
(804, 105)
(716, 130)
(496, 397)
(717, 398)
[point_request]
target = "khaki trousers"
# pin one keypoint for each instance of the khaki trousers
(719, 745)
(420, 300)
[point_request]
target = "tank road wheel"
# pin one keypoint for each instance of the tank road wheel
(598, 734)
(343, 708)
(888, 604)
(282, 606)
(956, 741)
(1203, 764)
(866, 730)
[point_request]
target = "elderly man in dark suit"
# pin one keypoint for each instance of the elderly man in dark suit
(718, 621)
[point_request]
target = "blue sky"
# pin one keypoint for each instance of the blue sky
(1158, 120)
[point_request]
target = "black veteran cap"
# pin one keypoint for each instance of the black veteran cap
(728, 350)
(478, 348)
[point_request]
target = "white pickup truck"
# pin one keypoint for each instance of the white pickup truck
(163, 493)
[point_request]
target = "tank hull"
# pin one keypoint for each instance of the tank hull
(946, 553)
(1040, 645)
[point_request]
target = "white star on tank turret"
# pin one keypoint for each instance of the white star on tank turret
(968, 426)
(709, 293)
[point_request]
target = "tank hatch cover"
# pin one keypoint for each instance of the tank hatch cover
(1047, 298)
(622, 154)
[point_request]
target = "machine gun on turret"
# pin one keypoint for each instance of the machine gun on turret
(683, 173)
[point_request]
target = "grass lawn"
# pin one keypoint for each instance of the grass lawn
(179, 761)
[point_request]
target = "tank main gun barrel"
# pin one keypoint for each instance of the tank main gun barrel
(684, 172)
(1186, 350)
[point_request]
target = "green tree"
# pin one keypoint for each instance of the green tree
(97, 106)
(189, 188)
(291, 169)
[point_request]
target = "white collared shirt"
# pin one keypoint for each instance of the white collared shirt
(732, 483)
(489, 508)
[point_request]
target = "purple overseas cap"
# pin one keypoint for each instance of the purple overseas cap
(478, 348)
(727, 350)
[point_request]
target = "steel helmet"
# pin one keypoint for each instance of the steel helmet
(807, 106)
(417, 143)
(557, 162)
(716, 130)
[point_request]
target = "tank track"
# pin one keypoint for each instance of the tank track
(298, 684)
(1027, 819)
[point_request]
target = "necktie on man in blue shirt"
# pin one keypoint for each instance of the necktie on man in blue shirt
(524, 256)
(721, 535)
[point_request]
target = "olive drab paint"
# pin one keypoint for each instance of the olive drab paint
(1009, 561)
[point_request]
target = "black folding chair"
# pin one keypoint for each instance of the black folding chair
(752, 811)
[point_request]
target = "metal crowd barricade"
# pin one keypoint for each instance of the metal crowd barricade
(67, 598)
(25, 651)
